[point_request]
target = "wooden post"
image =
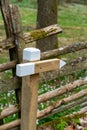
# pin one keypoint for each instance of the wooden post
(29, 93)
(29, 102)
(30, 84)
(13, 27)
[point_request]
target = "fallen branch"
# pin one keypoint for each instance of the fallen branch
(61, 90)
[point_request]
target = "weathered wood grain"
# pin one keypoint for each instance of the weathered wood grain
(61, 102)
(74, 66)
(70, 106)
(77, 114)
(47, 65)
(27, 37)
(10, 125)
(70, 68)
(29, 102)
(64, 50)
(41, 33)
(49, 95)
(9, 111)
(7, 66)
(61, 90)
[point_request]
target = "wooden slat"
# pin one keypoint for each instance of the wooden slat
(9, 111)
(10, 125)
(17, 123)
(44, 97)
(7, 66)
(52, 107)
(41, 33)
(70, 106)
(79, 114)
(64, 50)
(56, 104)
(70, 68)
(61, 90)
(47, 65)
(74, 66)
(30, 36)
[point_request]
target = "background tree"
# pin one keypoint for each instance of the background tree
(47, 15)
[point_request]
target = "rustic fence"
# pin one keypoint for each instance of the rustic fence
(15, 43)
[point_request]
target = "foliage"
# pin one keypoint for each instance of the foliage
(62, 124)
(10, 118)
(76, 121)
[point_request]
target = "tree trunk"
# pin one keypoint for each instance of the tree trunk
(47, 15)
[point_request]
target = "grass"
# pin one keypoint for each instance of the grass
(72, 18)
(28, 16)
(73, 15)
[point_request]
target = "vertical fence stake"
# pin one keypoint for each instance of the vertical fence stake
(30, 84)
(29, 93)
(29, 102)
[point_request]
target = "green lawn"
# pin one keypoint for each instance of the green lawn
(28, 16)
(73, 15)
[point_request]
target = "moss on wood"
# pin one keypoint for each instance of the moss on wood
(38, 34)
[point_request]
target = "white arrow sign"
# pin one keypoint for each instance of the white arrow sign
(33, 54)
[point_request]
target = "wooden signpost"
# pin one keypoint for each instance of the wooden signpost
(29, 71)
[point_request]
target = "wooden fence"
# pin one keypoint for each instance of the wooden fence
(15, 42)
